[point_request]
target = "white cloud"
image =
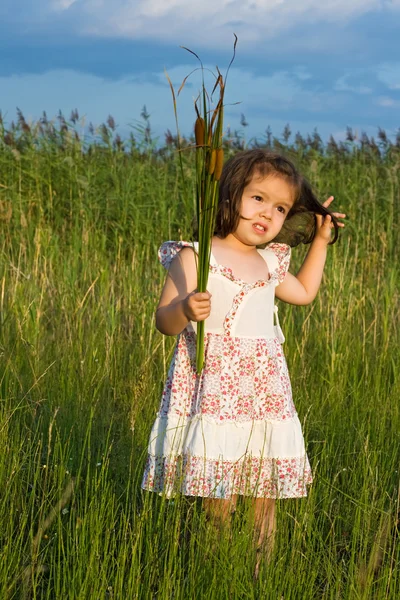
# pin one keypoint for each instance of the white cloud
(343, 85)
(61, 5)
(280, 92)
(213, 22)
(302, 73)
(387, 102)
(365, 80)
(207, 22)
(389, 74)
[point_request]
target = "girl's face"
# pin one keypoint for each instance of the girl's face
(266, 202)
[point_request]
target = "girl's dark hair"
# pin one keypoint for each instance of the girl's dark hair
(300, 223)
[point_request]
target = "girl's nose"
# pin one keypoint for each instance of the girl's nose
(266, 212)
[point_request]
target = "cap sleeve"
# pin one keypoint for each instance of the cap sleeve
(168, 250)
(282, 252)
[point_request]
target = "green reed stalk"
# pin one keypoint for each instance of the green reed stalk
(209, 160)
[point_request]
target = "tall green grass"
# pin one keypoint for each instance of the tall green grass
(82, 369)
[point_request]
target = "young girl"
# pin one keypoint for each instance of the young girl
(234, 429)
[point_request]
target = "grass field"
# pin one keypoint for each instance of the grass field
(82, 369)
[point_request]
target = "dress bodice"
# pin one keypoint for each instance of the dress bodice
(238, 308)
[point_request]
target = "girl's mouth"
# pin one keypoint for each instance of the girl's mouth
(260, 229)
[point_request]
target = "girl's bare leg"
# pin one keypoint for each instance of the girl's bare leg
(264, 529)
(219, 511)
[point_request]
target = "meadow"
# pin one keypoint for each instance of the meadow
(82, 369)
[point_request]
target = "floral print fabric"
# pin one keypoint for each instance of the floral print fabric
(218, 478)
(243, 379)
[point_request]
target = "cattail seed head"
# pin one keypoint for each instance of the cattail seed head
(199, 131)
(219, 163)
(212, 161)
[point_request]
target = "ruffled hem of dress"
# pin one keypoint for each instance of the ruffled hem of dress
(204, 436)
(218, 478)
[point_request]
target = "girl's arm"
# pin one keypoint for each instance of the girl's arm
(179, 303)
(302, 288)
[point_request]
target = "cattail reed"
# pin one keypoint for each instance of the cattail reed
(212, 161)
(219, 163)
(208, 130)
(199, 131)
(209, 161)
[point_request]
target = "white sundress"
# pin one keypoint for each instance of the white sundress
(233, 429)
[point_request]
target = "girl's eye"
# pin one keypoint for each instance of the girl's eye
(282, 209)
(257, 197)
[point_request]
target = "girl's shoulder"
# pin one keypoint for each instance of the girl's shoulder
(277, 256)
(168, 251)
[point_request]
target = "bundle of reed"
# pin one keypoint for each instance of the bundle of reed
(209, 161)
(208, 132)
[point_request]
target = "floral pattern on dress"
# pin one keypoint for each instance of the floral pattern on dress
(249, 476)
(243, 379)
(283, 253)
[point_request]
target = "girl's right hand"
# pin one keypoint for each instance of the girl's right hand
(197, 306)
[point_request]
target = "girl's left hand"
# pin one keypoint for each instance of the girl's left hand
(325, 225)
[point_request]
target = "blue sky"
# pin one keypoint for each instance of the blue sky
(310, 63)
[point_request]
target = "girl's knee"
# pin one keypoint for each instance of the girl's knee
(219, 508)
(264, 504)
